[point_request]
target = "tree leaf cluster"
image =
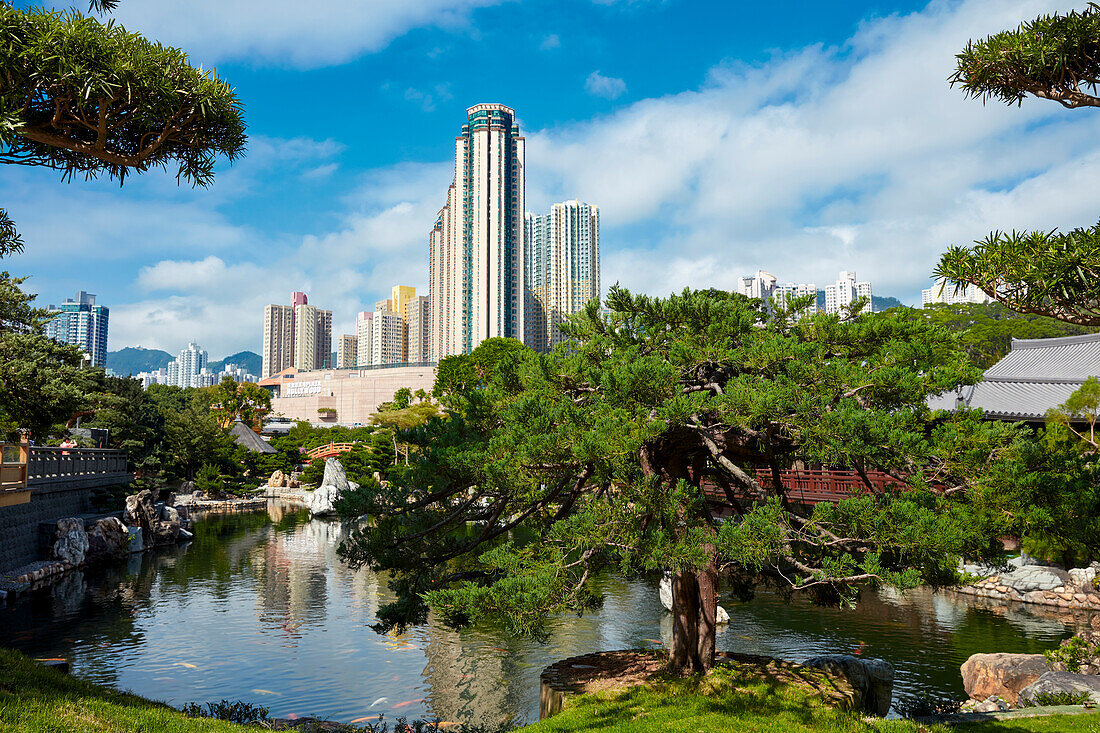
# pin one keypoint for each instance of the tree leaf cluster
(1055, 56)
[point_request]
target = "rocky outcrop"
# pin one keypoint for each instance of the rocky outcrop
(108, 539)
(1026, 581)
(1088, 643)
(333, 485)
(1055, 682)
(141, 512)
(873, 679)
(1005, 675)
(278, 480)
(70, 541)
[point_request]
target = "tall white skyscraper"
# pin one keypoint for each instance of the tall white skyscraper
(563, 268)
(387, 338)
(945, 293)
(189, 368)
(476, 251)
(347, 351)
(417, 322)
(845, 291)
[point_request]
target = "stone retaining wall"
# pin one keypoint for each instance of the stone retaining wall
(1043, 585)
(19, 523)
(1059, 597)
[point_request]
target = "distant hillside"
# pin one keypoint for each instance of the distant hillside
(881, 303)
(250, 361)
(131, 360)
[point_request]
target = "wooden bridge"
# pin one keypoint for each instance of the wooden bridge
(25, 468)
(810, 486)
(329, 450)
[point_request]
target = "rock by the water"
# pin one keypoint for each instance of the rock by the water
(185, 535)
(664, 589)
(1035, 577)
(1056, 682)
(1001, 674)
(278, 479)
(141, 512)
(293, 483)
(166, 533)
(721, 616)
(169, 514)
(108, 538)
(334, 475)
(873, 679)
(334, 483)
(992, 704)
(135, 541)
(71, 543)
(1081, 578)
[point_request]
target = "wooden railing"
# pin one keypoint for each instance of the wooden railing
(14, 458)
(47, 462)
(810, 486)
(328, 450)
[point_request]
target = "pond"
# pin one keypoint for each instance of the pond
(258, 607)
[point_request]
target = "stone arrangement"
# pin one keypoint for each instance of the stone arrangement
(334, 483)
(1001, 682)
(1047, 585)
(72, 542)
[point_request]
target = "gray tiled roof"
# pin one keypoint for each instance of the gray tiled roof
(246, 436)
(1035, 376)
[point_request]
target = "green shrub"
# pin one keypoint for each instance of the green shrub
(926, 706)
(209, 479)
(1043, 699)
(239, 711)
(1071, 654)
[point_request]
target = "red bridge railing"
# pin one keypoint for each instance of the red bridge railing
(810, 486)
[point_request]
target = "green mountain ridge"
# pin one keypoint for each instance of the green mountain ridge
(133, 359)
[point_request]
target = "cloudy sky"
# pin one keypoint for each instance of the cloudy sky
(717, 138)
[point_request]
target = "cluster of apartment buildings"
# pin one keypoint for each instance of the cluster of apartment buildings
(191, 369)
(831, 299)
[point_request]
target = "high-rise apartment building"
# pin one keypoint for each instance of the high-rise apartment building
(845, 291)
(417, 324)
(347, 352)
(476, 252)
(563, 268)
(765, 287)
(82, 323)
(189, 369)
(387, 338)
(364, 322)
(296, 335)
(943, 292)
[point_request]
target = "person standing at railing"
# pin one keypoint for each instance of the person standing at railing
(67, 443)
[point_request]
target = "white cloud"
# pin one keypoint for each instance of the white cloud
(550, 42)
(608, 87)
(288, 32)
(859, 157)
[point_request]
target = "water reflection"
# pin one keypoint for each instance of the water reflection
(259, 607)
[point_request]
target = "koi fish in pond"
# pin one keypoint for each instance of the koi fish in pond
(186, 664)
(265, 692)
(365, 719)
(379, 701)
(406, 703)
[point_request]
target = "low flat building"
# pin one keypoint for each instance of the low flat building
(1035, 376)
(343, 396)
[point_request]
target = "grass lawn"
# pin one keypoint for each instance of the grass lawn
(733, 699)
(33, 698)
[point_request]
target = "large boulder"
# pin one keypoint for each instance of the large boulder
(333, 485)
(873, 679)
(108, 539)
(1035, 577)
(70, 541)
(141, 511)
(1054, 682)
(165, 533)
(1081, 579)
(278, 479)
(1001, 674)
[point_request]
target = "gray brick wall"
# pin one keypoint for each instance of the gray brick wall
(19, 524)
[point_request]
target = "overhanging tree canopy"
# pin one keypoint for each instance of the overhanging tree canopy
(1054, 57)
(597, 456)
(84, 96)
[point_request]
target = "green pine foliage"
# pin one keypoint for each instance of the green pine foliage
(548, 469)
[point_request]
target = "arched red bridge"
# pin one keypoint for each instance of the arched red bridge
(812, 485)
(329, 450)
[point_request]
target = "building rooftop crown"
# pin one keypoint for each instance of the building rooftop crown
(488, 106)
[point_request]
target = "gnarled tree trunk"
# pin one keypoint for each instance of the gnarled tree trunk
(694, 620)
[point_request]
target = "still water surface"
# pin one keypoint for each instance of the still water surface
(258, 607)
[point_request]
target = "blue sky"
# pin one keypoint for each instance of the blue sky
(717, 138)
